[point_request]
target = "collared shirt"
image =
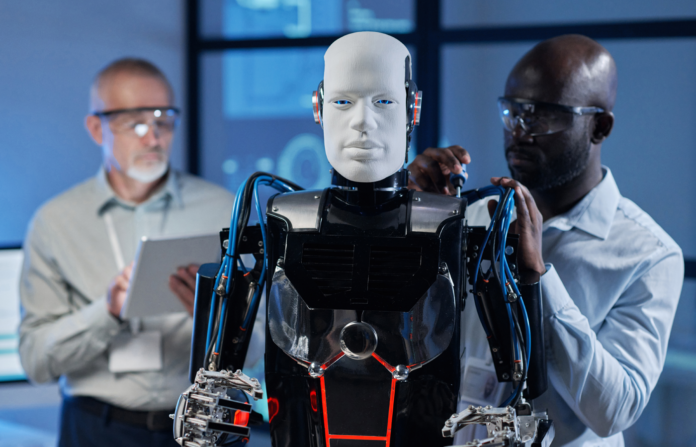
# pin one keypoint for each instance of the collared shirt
(66, 328)
(610, 293)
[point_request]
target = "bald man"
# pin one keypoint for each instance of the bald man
(78, 255)
(610, 276)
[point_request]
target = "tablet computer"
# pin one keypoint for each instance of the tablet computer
(156, 259)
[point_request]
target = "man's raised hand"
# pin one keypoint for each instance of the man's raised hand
(528, 225)
(430, 170)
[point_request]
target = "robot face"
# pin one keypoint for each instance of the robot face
(364, 110)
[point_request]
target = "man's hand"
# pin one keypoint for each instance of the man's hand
(116, 293)
(529, 226)
(183, 284)
(430, 170)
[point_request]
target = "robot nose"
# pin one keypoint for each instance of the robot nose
(363, 119)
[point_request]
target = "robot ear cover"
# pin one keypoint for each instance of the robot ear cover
(414, 100)
(417, 108)
(318, 103)
(315, 107)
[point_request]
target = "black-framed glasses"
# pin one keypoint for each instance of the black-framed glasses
(539, 118)
(138, 121)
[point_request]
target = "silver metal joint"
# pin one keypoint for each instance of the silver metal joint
(315, 370)
(400, 373)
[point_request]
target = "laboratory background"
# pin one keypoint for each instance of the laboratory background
(243, 72)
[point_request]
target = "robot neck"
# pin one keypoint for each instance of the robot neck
(369, 195)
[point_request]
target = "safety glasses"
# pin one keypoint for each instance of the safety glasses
(137, 122)
(539, 118)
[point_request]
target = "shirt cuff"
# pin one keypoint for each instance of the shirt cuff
(553, 292)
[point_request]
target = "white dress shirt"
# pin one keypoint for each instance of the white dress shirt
(70, 258)
(610, 293)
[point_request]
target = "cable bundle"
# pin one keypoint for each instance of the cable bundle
(248, 191)
(495, 241)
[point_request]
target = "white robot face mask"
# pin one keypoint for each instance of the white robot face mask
(364, 108)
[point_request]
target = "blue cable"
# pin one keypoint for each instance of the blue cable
(472, 197)
(281, 187)
(224, 266)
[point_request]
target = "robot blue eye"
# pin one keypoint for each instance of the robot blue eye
(342, 102)
(384, 101)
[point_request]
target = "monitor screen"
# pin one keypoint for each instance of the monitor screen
(10, 267)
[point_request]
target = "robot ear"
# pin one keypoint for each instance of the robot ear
(414, 99)
(417, 108)
(315, 107)
(318, 103)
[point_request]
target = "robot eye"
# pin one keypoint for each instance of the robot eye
(384, 101)
(342, 102)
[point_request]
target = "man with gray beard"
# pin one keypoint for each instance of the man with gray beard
(610, 276)
(78, 256)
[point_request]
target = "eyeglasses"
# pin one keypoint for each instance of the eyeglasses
(138, 121)
(539, 118)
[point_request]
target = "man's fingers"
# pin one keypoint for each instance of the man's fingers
(446, 158)
(122, 282)
(420, 175)
(177, 285)
(183, 292)
(187, 277)
(428, 174)
(521, 194)
(180, 289)
(127, 271)
(534, 213)
(461, 154)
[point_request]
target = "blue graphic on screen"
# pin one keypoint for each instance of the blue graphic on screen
(304, 18)
(268, 94)
(271, 83)
(289, 18)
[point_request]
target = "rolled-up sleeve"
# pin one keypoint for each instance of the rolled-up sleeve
(56, 334)
(606, 376)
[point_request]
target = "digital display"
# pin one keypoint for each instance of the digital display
(10, 268)
(243, 19)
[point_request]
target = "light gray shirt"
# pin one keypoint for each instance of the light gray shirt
(610, 291)
(69, 262)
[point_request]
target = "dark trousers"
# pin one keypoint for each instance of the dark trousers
(81, 428)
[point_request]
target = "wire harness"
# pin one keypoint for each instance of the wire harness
(247, 195)
(495, 243)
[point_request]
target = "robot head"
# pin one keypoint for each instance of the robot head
(367, 105)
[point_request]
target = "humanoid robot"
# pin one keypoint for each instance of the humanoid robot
(365, 285)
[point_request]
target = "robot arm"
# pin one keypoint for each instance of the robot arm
(228, 295)
(511, 315)
(211, 412)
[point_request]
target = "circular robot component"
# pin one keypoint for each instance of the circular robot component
(358, 340)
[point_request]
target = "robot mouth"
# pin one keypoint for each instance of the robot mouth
(363, 144)
(363, 154)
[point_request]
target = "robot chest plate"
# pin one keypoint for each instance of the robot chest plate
(361, 272)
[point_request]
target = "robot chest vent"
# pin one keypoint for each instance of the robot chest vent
(332, 267)
(360, 273)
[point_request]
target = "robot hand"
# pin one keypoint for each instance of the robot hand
(505, 427)
(205, 415)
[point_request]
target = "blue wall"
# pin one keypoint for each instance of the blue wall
(49, 55)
